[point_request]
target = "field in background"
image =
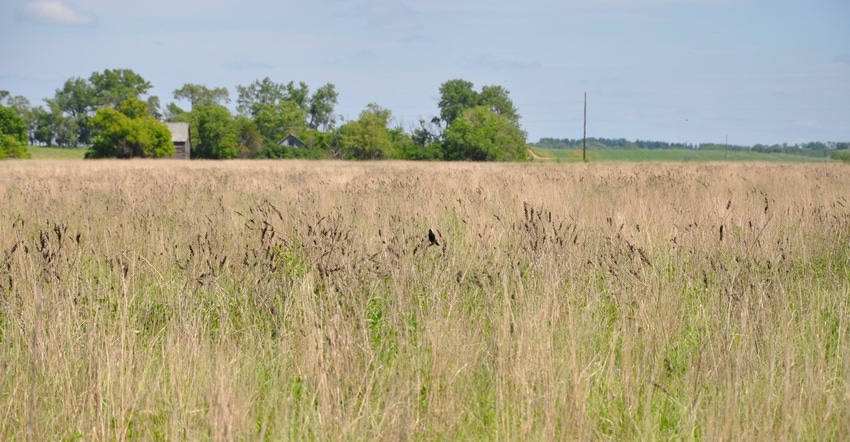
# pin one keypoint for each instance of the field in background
(612, 155)
(303, 300)
(670, 155)
(56, 153)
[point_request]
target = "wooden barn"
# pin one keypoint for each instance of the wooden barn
(291, 141)
(181, 139)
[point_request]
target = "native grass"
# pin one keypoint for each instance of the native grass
(304, 300)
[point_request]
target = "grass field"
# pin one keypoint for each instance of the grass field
(572, 156)
(670, 155)
(291, 300)
(56, 153)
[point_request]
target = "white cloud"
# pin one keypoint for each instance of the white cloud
(55, 12)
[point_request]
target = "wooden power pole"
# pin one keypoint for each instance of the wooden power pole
(584, 138)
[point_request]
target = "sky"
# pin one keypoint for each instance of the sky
(685, 71)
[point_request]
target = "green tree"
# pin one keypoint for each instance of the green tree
(114, 86)
(21, 105)
(77, 100)
(12, 124)
(129, 132)
(215, 133)
(426, 134)
(298, 94)
(480, 134)
(498, 100)
(44, 132)
(153, 106)
(65, 129)
(842, 155)
(13, 134)
(10, 147)
(261, 95)
(258, 95)
(322, 104)
(172, 112)
(276, 121)
(368, 137)
(456, 96)
(249, 140)
(424, 143)
(200, 95)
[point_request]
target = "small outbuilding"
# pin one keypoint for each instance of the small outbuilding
(181, 139)
(291, 141)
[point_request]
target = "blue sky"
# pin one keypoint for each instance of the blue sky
(690, 71)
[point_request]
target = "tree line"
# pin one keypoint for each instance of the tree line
(812, 149)
(112, 114)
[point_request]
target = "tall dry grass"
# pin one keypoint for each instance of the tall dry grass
(296, 300)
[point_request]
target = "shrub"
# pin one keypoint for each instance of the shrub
(842, 155)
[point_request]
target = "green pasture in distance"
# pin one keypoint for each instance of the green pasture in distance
(57, 153)
(671, 155)
(566, 155)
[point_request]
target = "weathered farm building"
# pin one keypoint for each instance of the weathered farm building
(181, 139)
(291, 141)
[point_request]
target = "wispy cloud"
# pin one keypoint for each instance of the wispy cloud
(484, 62)
(55, 12)
(843, 58)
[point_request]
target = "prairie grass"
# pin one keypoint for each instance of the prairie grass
(299, 300)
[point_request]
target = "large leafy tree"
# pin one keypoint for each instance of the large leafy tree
(423, 143)
(21, 105)
(480, 134)
(368, 137)
(114, 86)
(13, 134)
(456, 96)
(76, 100)
(128, 131)
(299, 94)
(45, 127)
(12, 124)
(498, 100)
(276, 121)
(249, 140)
(257, 95)
(79, 98)
(200, 95)
(261, 95)
(214, 133)
(322, 104)
(65, 129)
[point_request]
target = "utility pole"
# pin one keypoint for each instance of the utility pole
(726, 154)
(584, 138)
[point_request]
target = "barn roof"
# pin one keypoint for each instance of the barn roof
(291, 140)
(179, 131)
